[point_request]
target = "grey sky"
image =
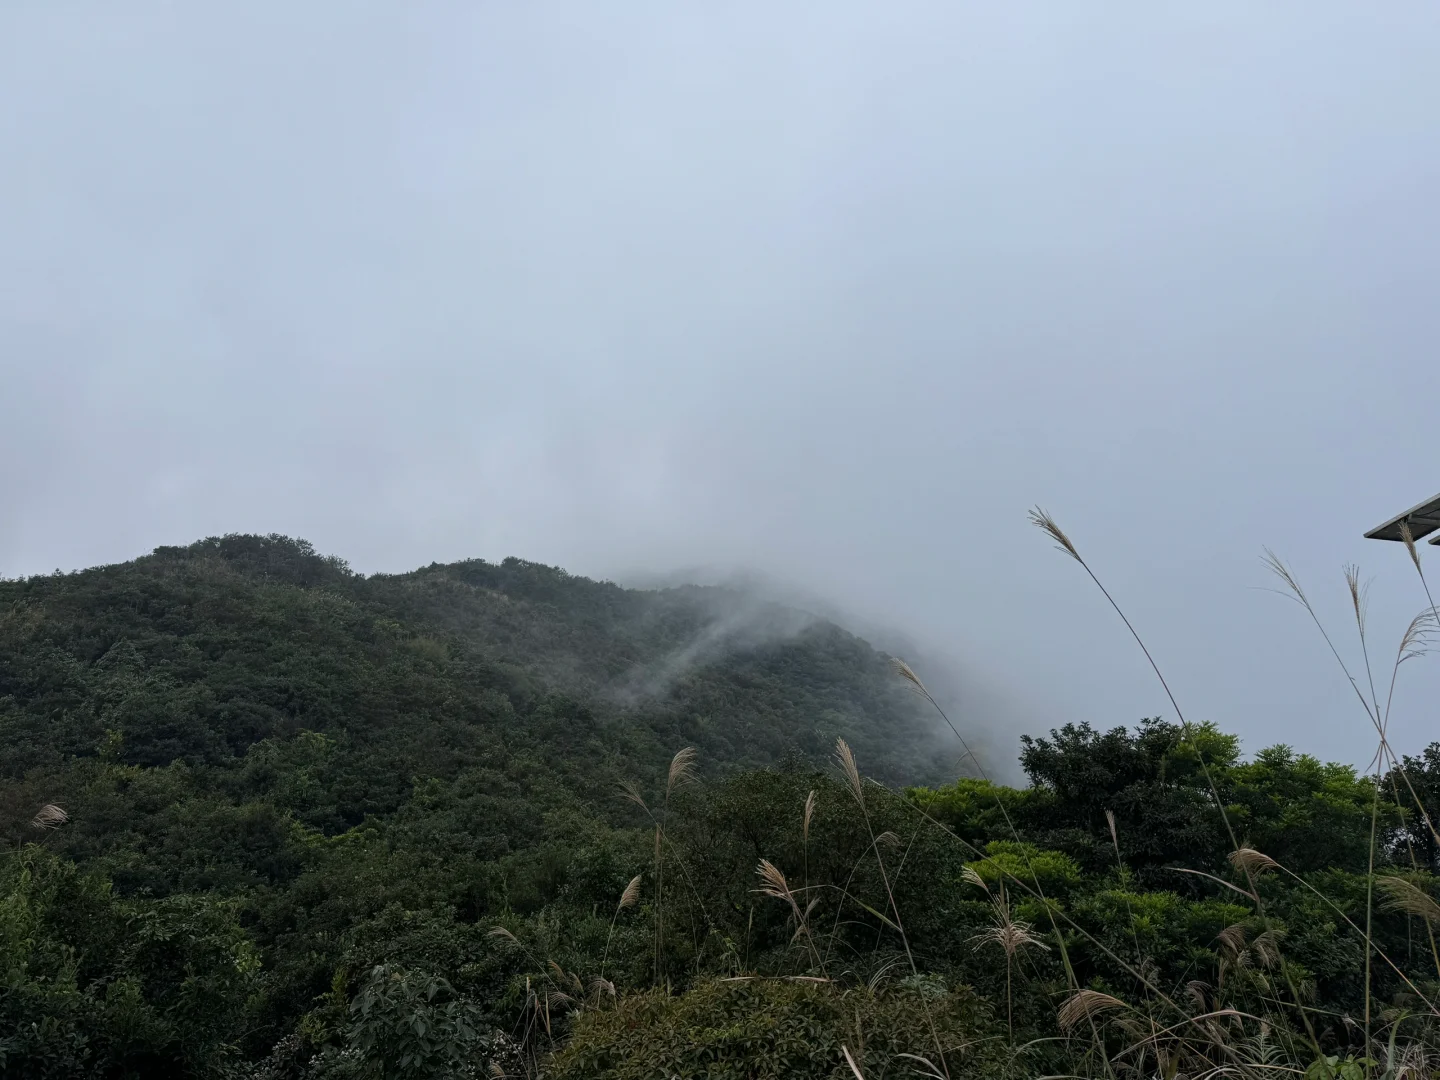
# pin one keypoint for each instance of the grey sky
(834, 291)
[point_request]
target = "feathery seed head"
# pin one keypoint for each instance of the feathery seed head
(1084, 1004)
(629, 790)
(49, 816)
(846, 759)
(1043, 521)
(1274, 564)
(1011, 935)
(682, 770)
(1405, 896)
(1417, 637)
(1409, 538)
(1197, 990)
(1359, 595)
(1267, 947)
(1251, 861)
(906, 672)
(631, 896)
(1232, 939)
(772, 881)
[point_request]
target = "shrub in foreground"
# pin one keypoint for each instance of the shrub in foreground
(759, 1029)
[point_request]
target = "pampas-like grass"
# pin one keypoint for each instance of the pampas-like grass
(49, 816)
(1084, 1005)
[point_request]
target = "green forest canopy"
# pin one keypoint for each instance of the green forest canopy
(300, 801)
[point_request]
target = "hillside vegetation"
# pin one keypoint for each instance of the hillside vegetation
(268, 818)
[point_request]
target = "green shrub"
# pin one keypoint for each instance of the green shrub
(762, 1028)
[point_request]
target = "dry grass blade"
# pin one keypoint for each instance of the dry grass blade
(1250, 861)
(1416, 1062)
(1359, 595)
(1406, 896)
(881, 974)
(1267, 947)
(1085, 1004)
(1197, 990)
(631, 896)
(1232, 939)
(1011, 935)
(682, 770)
(1218, 881)
(906, 672)
(934, 1072)
(773, 883)
(1279, 569)
(846, 759)
(628, 790)
(1043, 521)
(809, 813)
(1409, 538)
(49, 816)
(850, 1060)
(1416, 640)
(540, 1005)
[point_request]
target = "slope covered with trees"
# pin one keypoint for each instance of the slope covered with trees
(265, 817)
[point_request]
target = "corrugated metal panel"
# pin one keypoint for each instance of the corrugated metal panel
(1423, 519)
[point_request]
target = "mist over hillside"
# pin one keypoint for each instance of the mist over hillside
(670, 683)
(242, 639)
(990, 717)
(270, 819)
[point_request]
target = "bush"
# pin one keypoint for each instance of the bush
(760, 1029)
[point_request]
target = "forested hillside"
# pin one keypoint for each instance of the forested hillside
(268, 818)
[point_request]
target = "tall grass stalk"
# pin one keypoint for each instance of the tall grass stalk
(1413, 643)
(846, 759)
(629, 898)
(1048, 525)
(680, 773)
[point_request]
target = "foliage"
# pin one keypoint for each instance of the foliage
(408, 1024)
(766, 1029)
(317, 825)
(97, 985)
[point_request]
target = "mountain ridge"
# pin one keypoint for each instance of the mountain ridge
(196, 654)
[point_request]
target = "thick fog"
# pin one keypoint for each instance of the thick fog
(827, 293)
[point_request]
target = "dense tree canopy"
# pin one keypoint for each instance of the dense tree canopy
(313, 824)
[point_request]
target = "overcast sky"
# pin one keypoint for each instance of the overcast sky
(831, 291)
